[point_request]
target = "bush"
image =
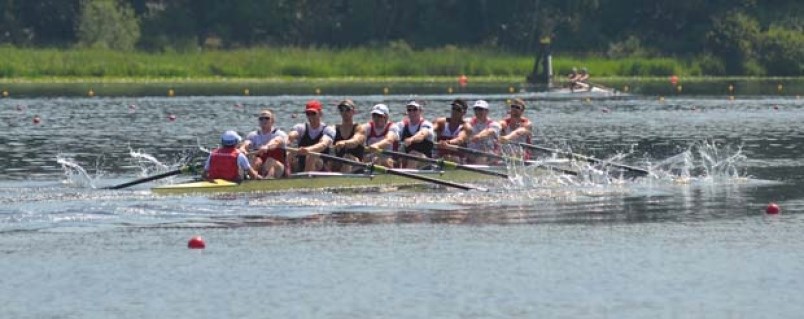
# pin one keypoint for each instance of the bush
(709, 64)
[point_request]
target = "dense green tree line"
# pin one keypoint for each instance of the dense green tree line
(727, 37)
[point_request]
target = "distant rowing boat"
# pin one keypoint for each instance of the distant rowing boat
(317, 180)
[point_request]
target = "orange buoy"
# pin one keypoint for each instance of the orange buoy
(463, 80)
(196, 242)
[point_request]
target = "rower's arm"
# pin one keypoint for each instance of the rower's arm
(520, 131)
(359, 138)
(389, 140)
(276, 142)
(463, 135)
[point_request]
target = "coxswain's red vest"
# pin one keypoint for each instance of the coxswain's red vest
(223, 164)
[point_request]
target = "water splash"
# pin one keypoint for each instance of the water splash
(703, 161)
(148, 163)
(75, 173)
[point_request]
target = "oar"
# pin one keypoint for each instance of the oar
(182, 170)
(504, 158)
(446, 164)
(585, 158)
(383, 169)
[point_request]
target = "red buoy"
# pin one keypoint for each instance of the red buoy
(36, 119)
(196, 242)
(772, 209)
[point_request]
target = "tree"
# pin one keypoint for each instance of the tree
(107, 24)
(732, 37)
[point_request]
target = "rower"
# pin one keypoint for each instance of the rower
(485, 132)
(227, 162)
(267, 144)
(516, 128)
(452, 130)
(416, 134)
(312, 136)
(349, 138)
(381, 134)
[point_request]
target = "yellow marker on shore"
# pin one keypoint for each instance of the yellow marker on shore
(679, 88)
(779, 88)
(385, 90)
(246, 92)
(626, 88)
(317, 91)
(731, 89)
(91, 93)
(449, 90)
(510, 89)
(171, 93)
(5, 93)
(661, 98)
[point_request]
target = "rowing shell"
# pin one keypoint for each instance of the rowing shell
(317, 180)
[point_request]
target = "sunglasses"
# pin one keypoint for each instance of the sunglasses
(311, 113)
(377, 115)
(517, 107)
(344, 108)
(412, 109)
(480, 109)
(457, 109)
(265, 118)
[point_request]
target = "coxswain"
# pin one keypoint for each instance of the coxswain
(266, 147)
(349, 138)
(453, 130)
(312, 136)
(227, 162)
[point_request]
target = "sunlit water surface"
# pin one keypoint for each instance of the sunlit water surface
(691, 240)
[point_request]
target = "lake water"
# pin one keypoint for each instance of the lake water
(541, 246)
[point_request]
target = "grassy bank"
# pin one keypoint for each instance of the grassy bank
(288, 63)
